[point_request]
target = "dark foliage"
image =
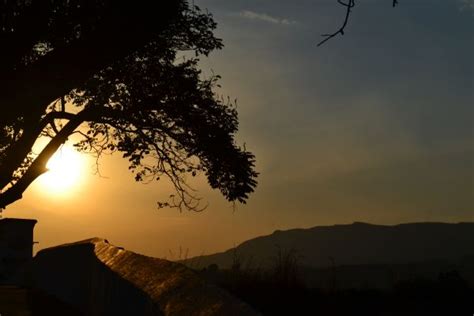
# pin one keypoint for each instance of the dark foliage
(115, 74)
(282, 290)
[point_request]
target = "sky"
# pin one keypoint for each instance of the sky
(375, 126)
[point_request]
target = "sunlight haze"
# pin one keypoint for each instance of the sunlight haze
(374, 126)
(65, 173)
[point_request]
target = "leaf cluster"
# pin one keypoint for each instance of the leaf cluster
(144, 99)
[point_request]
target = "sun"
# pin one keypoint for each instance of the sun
(64, 173)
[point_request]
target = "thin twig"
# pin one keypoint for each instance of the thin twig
(349, 5)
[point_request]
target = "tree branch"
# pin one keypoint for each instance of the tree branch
(18, 151)
(38, 167)
(349, 5)
(26, 91)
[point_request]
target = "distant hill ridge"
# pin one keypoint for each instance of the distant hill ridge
(354, 244)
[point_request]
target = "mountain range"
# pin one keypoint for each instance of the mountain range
(352, 244)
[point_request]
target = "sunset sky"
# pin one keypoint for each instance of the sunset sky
(375, 126)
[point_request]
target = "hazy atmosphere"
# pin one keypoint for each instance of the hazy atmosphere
(374, 126)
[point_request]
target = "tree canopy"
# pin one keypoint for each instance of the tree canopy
(114, 72)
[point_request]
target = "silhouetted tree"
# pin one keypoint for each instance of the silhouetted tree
(115, 73)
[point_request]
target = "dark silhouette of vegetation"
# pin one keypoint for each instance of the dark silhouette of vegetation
(290, 284)
(282, 290)
(114, 73)
(349, 5)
